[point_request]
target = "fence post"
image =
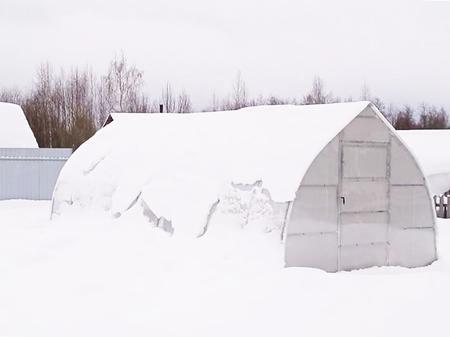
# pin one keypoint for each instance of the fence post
(447, 209)
(441, 206)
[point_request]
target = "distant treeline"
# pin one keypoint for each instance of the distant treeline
(64, 109)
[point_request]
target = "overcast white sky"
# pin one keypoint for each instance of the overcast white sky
(401, 49)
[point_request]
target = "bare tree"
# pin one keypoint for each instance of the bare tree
(13, 95)
(215, 105)
(404, 119)
(365, 92)
(65, 109)
(60, 108)
(260, 100)
(367, 96)
(432, 118)
(380, 105)
(79, 103)
(273, 100)
(348, 99)
(39, 108)
(121, 86)
(168, 98)
(391, 114)
(318, 94)
(184, 103)
(239, 95)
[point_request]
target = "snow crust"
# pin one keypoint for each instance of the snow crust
(431, 149)
(14, 128)
(179, 164)
(90, 275)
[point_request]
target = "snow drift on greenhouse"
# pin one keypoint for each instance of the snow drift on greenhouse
(180, 163)
(431, 147)
(14, 128)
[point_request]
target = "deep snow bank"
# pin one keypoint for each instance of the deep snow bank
(430, 148)
(179, 164)
(96, 276)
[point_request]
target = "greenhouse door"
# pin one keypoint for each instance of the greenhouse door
(363, 204)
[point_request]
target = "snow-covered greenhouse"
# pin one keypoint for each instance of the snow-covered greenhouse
(430, 149)
(15, 132)
(334, 179)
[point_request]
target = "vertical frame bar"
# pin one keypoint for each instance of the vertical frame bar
(388, 178)
(338, 198)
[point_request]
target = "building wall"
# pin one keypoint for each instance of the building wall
(30, 173)
(363, 202)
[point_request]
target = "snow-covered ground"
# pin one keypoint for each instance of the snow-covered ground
(91, 276)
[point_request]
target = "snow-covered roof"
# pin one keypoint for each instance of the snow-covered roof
(14, 128)
(117, 116)
(431, 149)
(179, 163)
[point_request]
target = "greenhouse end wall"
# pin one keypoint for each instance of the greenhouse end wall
(363, 202)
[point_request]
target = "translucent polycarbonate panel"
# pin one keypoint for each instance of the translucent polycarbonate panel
(364, 161)
(324, 169)
(403, 167)
(314, 210)
(367, 112)
(412, 247)
(362, 256)
(366, 129)
(362, 196)
(411, 207)
(380, 192)
(364, 228)
(312, 250)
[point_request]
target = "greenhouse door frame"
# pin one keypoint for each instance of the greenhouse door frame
(363, 203)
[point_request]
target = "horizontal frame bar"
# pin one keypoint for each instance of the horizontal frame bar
(7, 158)
(363, 143)
(312, 233)
(365, 179)
(375, 243)
(364, 212)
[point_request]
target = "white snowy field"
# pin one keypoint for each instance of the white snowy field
(87, 276)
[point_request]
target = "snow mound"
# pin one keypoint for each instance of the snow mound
(97, 276)
(14, 129)
(430, 148)
(180, 164)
